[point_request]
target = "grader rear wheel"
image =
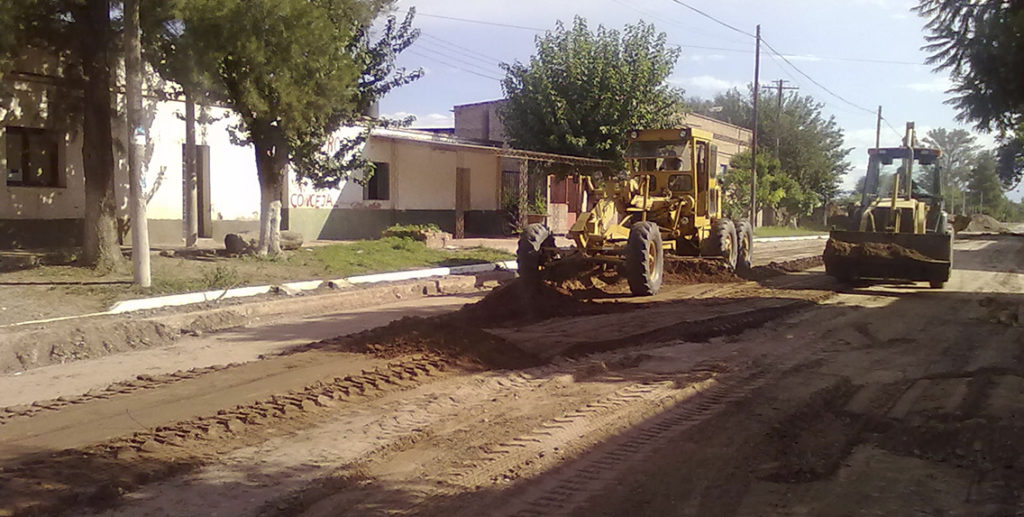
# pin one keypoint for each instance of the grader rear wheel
(745, 246)
(721, 243)
(645, 259)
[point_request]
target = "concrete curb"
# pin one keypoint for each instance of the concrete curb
(97, 335)
(796, 238)
(305, 285)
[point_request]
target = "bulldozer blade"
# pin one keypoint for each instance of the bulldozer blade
(888, 256)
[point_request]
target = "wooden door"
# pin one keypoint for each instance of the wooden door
(462, 200)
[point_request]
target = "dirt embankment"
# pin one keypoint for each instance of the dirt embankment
(979, 223)
(459, 336)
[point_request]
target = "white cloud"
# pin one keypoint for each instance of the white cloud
(700, 58)
(811, 58)
(705, 83)
(430, 120)
(936, 85)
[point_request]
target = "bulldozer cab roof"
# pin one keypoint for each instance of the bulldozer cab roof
(922, 155)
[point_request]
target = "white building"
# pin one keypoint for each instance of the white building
(422, 178)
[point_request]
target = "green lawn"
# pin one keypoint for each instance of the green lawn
(46, 291)
(784, 231)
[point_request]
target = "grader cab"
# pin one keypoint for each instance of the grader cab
(671, 201)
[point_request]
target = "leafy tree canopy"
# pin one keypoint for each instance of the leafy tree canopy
(979, 43)
(583, 90)
(809, 147)
(776, 190)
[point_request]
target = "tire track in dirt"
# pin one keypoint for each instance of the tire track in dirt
(186, 444)
(96, 474)
(116, 389)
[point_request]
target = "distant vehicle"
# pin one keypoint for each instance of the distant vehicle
(901, 230)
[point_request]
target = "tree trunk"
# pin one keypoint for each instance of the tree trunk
(189, 184)
(101, 248)
(271, 163)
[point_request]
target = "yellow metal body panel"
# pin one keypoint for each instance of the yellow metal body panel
(675, 186)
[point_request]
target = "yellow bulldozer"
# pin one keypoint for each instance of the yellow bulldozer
(900, 231)
(670, 201)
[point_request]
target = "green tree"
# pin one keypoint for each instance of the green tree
(808, 146)
(984, 190)
(295, 71)
(776, 191)
(959, 152)
(979, 43)
(77, 39)
(583, 91)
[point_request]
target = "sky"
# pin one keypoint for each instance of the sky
(851, 55)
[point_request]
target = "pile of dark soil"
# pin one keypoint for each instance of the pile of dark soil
(519, 303)
(436, 336)
(872, 251)
(682, 271)
(775, 269)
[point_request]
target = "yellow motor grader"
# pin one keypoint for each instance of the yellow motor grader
(900, 231)
(670, 201)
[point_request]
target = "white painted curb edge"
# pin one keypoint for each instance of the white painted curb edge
(783, 239)
(306, 285)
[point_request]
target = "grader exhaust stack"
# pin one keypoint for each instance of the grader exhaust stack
(900, 230)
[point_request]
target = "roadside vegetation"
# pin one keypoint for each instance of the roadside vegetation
(51, 290)
(784, 231)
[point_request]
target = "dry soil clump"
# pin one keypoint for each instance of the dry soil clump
(982, 223)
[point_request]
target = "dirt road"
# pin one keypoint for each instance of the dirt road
(792, 396)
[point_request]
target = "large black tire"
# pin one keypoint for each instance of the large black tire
(745, 246)
(645, 259)
(721, 243)
(529, 254)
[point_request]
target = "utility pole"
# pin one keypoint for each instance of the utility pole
(753, 161)
(878, 129)
(136, 145)
(779, 86)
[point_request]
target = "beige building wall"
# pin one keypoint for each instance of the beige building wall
(731, 139)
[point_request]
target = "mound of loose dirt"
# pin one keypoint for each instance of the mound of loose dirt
(697, 271)
(519, 302)
(982, 223)
(440, 336)
(774, 269)
(872, 251)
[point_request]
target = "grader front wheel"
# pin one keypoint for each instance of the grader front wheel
(645, 259)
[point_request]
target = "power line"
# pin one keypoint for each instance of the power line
(447, 51)
(712, 18)
(662, 18)
(449, 43)
(456, 67)
(811, 79)
(482, 22)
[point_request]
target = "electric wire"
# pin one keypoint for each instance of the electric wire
(450, 65)
(448, 51)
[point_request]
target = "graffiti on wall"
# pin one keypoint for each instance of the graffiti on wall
(315, 199)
